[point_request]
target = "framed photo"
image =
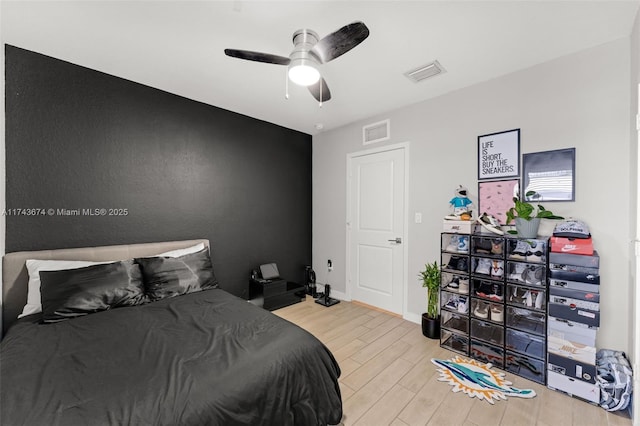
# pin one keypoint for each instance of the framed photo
(551, 174)
(496, 197)
(499, 155)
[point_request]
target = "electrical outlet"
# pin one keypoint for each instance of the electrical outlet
(330, 265)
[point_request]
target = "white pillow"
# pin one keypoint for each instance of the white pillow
(182, 252)
(34, 302)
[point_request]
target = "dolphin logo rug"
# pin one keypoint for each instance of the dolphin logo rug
(477, 379)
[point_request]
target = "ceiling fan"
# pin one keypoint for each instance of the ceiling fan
(308, 53)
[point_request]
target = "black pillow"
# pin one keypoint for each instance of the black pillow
(173, 276)
(76, 292)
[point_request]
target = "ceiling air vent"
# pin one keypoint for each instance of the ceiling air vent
(425, 71)
(376, 132)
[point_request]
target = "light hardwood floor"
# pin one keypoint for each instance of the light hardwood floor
(388, 378)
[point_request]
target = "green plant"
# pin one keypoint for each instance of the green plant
(431, 281)
(527, 211)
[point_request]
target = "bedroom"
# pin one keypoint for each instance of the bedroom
(292, 192)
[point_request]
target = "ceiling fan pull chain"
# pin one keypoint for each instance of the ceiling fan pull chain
(286, 85)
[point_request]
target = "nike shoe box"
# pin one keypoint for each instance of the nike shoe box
(458, 226)
(584, 390)
(573, 285)
(572, 350)
(575, 332)
(572, 368)
(573, 268)
(575, 276)
(583, 316)
(575, 298)
(592, 261)
(582, 246)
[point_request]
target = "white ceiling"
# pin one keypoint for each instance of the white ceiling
(178, 46)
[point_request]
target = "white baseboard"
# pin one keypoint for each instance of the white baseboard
(415, 318)
(335, 294)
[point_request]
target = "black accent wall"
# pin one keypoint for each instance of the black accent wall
(81, 139)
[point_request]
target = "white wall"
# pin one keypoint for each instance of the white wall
(580, 101)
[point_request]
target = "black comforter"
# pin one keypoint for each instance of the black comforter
(206, 358)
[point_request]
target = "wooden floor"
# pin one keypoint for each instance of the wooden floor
(388, 378)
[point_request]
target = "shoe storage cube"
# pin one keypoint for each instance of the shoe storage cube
(532, 298)
(487, 353)
(455, 243)
(455, 283)
(526, 320)
(487, 311)
(492, 291)
(455, 262)
(526, 273)
(486, 331)
(528, 250)
(454, 302)
(526, 344)
(454, 322)
(487, 268)
(526, 366)
(455, 342)
(487, 246)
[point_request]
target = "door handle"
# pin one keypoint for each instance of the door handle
(398, 240)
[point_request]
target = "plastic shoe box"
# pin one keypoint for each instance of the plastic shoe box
(526, 320)
(455, 262)
(583, 316)
(487, 247)
(588, 391)
(455, 342)
(574, 285)
(575, 332)
(571, 350)
(486, 331)
(454, 321)
(572, 368)
(525, 366)
(526, 273)
(592, 261)
(536, 253)
(575, 276)
(526, 344)
(487, 353)
(575, 298)
(532, 298)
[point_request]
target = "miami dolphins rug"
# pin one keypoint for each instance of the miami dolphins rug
(477, 379)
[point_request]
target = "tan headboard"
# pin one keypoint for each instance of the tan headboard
(15, 278)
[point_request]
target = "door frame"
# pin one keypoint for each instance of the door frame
(404, 146)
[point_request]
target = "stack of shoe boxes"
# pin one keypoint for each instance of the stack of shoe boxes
(574, 316)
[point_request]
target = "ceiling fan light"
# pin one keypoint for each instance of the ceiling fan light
(303, 73)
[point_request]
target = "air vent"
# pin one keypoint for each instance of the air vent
(425, 71)
(376, 132)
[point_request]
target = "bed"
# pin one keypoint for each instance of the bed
(204, 357)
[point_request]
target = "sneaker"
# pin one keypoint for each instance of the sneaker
(463, 245)
(482, 246)
(496, 293)
(490, 223)
(533, 275)
(463, 305)
(453, 284)
(483, 290)
(463, 264)
(496, 247)
(463, 286)
(518, 296)
(483, 266)
(497, 268)
(536, 251)
(453, 243)
(453, 262)
(452, 303)
(497, 313)
(516, 271)
(520, 251)
(539, 296)
(481, 310)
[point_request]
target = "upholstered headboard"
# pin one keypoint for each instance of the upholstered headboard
(15, 278)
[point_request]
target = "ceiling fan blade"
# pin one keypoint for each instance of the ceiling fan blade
(340, 42)
(315, 90)
(257, 56)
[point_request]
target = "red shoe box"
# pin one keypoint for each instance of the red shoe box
(582, 246)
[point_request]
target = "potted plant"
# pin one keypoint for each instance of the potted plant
(527, 217)
(431, 281)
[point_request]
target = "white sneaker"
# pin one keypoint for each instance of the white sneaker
(481, 310)
(463, 244)
(463, 286)
(516, 271)
(497, 313)
(490, 223)
(497, 268)
(520, 251)
(483, 266)
(453, 243)
(463, 305)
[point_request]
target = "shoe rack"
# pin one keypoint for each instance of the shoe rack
(494, 300)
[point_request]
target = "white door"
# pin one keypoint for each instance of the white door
(375, 227)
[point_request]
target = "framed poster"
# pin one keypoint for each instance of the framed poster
(499, 155)
(496, 197)
(551, 174)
